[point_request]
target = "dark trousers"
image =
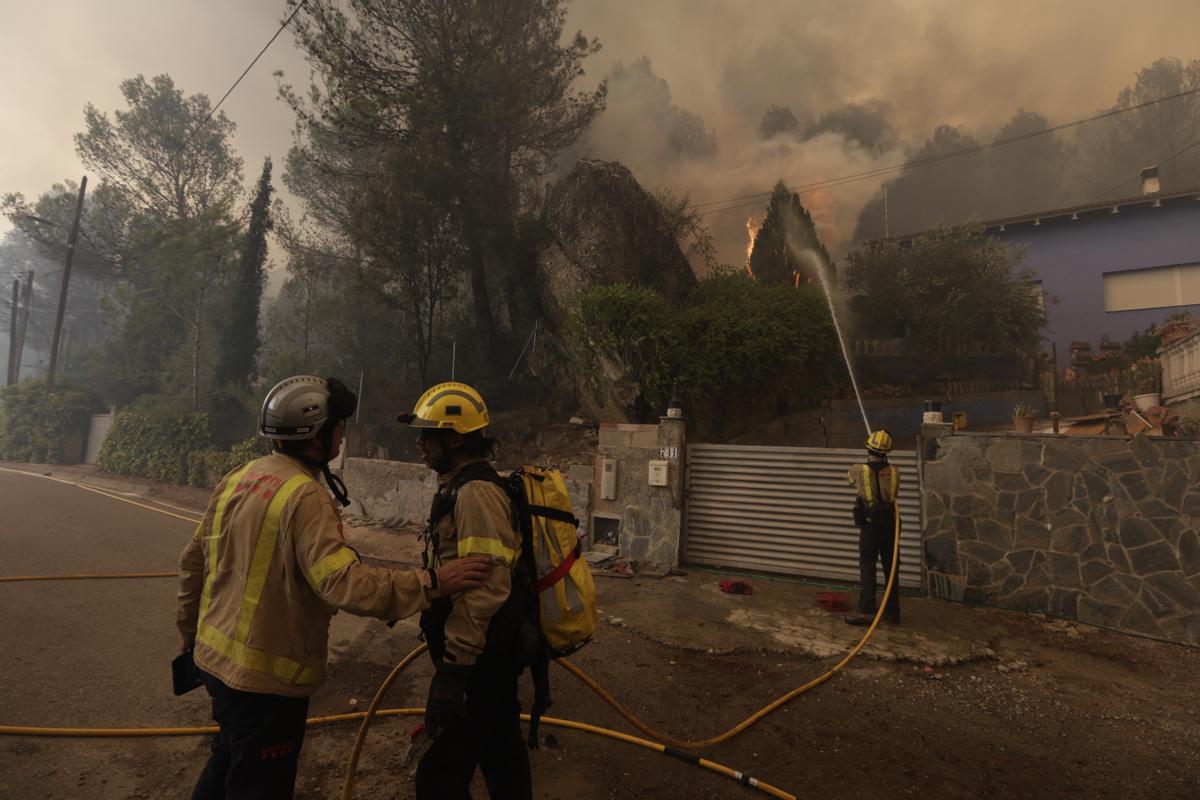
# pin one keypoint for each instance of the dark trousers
(490, 739)
(256, 752)
(875, 543)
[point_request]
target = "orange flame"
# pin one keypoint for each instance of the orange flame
(752, 230)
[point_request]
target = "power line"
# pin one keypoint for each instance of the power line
(245, 72)
(1130, 180)
(757, 198)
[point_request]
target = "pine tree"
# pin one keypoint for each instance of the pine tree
(240, 341)
(772, 261)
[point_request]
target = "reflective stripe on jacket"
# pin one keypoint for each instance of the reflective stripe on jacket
(266, 570)
(889, 484)
(481, 525)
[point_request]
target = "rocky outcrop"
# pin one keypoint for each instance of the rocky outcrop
(604, 228)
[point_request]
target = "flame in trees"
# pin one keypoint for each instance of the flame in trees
(752, 230)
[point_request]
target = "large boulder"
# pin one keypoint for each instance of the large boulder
(604, 228)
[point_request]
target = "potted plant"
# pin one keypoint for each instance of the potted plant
(1023, 417)
(1147, 389)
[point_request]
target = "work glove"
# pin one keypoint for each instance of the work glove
(447, 703)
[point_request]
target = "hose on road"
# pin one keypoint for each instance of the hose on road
(712, 766)
(86, 576)
(666, 744)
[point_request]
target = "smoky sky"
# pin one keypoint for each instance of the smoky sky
(57, 57)
(930, 61)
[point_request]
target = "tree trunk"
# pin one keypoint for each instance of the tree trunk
(196, 352)
(473, 234)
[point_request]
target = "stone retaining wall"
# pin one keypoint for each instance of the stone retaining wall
(1100, 529)
(397, 494)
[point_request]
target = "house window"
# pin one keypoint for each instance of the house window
(1160, 287)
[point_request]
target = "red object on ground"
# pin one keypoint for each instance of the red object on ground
(833, 601)
(736, 587)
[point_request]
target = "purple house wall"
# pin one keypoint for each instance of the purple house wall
(1072, 249)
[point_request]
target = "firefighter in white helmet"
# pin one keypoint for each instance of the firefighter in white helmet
(261, 578)
(877, 483)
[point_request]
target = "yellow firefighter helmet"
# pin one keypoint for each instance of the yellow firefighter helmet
(451, 405)
(880, 442)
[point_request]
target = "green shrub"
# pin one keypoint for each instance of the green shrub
(158, 446)
(730, 333)
(36, 423)
(209, 466)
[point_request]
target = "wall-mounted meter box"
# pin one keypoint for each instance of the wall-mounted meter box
(608, 479)
(658, 473)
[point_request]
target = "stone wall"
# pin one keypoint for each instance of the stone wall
(398, 494)
(1098, 529)
(392, 493)
(650, 516)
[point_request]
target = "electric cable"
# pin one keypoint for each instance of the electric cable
(758, 197)
(245, 72)
(1130, 180)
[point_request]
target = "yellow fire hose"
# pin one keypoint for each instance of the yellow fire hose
(86, 576)
(372, 711)
(701, 744)
(665, 744)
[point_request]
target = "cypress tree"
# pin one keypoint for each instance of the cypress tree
(772, 261)
(240, 342)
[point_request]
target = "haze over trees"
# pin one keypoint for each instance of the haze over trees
(475, 96)
(1096, 161)
(948, 292)
(425, 139)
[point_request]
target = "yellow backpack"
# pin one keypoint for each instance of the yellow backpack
(565, 591)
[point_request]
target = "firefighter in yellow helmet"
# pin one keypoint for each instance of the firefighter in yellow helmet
(472, 713)
(260, 580)
(877, 483)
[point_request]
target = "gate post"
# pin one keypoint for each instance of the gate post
(672, 444)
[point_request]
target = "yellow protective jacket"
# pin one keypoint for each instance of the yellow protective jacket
(889, 484)
(481, 525)
(267, 569)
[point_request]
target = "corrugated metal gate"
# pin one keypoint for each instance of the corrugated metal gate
(787, 510)
(97, 432)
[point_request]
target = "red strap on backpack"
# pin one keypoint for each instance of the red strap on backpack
(559, 572)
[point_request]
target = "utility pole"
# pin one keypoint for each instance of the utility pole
(22, 324)
(62, 291)
(10, 379)
(885, 212)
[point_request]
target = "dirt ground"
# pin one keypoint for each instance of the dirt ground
(1009, 706)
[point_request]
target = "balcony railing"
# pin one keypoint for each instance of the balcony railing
(1181, 369)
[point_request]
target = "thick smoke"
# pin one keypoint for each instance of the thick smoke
(861, 78)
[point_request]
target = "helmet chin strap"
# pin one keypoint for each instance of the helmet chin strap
(335, 484)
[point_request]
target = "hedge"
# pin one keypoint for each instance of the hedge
(159, 446)
(209, 466)
(730, 334)
(36, 423)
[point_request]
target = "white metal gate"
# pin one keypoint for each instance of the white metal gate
(787, 510)
(97, 432)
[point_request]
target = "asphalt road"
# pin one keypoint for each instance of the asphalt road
(1042, 718)
(91, 653)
